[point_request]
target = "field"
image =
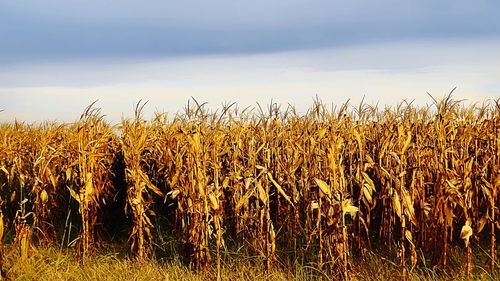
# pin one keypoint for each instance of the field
(407, 192)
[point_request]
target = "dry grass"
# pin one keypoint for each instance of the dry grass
(54, 264)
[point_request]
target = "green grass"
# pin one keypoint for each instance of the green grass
(55, 264)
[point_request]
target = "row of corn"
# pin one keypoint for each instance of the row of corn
(320, 187)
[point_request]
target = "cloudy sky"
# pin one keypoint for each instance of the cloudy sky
(56, 57)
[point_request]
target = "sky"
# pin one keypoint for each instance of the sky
(57, 57)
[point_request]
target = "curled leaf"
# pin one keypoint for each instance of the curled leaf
(347, 207)
(262, 193)
(213, 201)
(280, 189)
(466, 232)
(323, 186)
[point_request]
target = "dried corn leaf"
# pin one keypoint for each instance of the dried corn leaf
(348, 208)
(323, 186)
(280, 189)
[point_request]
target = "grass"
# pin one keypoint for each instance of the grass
(51, 263)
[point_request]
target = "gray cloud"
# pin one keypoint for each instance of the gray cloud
(47, 30)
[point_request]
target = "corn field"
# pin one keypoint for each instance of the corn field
(322, 187)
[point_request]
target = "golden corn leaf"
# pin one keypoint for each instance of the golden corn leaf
(368, 180)
(396, 157)
(367, 192)
(244, 199)
(74, 195)
(260, 167)
(262, 193)
(201, 189)
(148, 233)
(174, 193)
(409, 210)
(407, 143)
(340, 143)
(358, 139)
(482, 222)
(68, 174)
(258, 149)
(196, 142)
(312, 141)
(408, 236)
(53, 180)
(175, 178)
(147, 220)
(323, 186)
(314, 205)
(348, 208)
(13, 196)
(213, 201)
(44, 196)
(272, 239)
(4, 170)
(136, 201)
(322, 133)
(149, 184)
(466, 232)
(280, 189)
(448, 215)
(1, 227)
(427, 208)
(396, 203)
(487, 193)
(225, 182)
(413, 258)
(89, 187)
